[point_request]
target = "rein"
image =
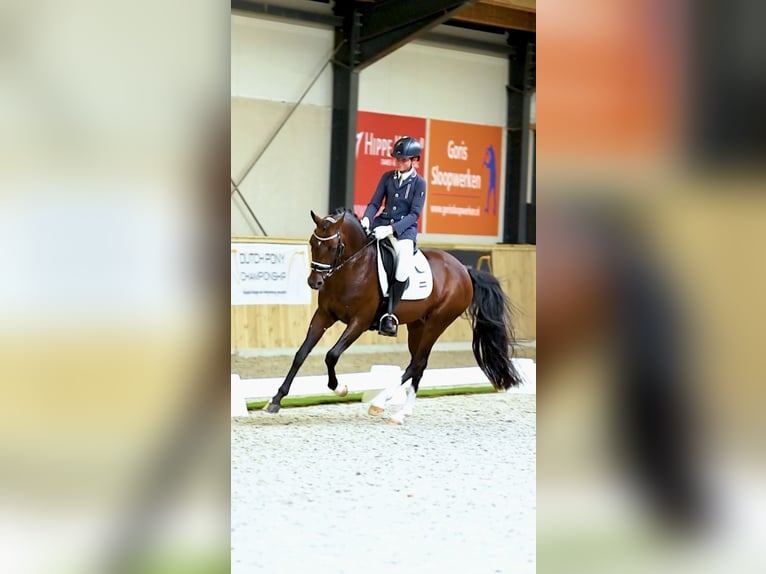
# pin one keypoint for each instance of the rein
(326, 269)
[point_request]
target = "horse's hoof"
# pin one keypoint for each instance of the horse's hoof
(271, 408)
(375, 411)
(342, 392)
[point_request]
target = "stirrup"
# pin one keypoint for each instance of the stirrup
(395, 326)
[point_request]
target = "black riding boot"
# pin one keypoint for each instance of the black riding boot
(389, 322)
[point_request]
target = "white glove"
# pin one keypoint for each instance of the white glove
(383, 231)
(365, 223)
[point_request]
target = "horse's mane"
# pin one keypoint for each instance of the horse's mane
(348, 213)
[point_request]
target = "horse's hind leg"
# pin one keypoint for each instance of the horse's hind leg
(420, 343)
(422, 337)
(414, 370)
(378, 404)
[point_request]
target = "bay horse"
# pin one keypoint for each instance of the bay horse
(344, 271)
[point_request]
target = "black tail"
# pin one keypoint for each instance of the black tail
(490, 313)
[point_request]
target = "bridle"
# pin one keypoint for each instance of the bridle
(327, 269)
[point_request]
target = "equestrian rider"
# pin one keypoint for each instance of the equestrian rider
(404, 193)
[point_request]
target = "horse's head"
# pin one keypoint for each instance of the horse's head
(326, 247)
(333, 235)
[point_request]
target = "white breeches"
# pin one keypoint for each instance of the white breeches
(405, 258)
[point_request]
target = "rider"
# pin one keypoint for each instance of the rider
(404, 192)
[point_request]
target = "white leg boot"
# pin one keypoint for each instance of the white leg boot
(409, 404)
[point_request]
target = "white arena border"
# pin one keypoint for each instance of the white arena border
(379, 377)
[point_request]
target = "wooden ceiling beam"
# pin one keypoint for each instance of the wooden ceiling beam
(497, 15)
(523, 5)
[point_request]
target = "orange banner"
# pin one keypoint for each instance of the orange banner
(464, 178)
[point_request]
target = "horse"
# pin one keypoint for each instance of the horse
(344, 272)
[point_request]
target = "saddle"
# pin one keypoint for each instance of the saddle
(421, 280)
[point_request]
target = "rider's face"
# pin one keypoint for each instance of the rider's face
(402, 164)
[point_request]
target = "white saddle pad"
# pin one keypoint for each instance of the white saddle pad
(421, 278)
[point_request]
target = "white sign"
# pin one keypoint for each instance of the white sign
(269, 274)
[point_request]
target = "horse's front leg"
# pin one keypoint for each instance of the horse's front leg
(320, 322)
(354, 329)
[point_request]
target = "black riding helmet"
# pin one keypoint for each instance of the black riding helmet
(407, 148)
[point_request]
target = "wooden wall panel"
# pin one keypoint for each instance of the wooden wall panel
(516, 269)
(284, 326)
